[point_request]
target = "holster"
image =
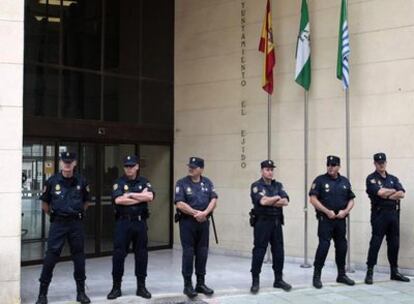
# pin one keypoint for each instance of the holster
(177, 216)
(252, 218)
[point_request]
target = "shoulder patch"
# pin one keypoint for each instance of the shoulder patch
(177, 189)
(373, 181)
(149, 184)
(255, 189)
(126, 188)
(87, 188)
(313, 186)
(115, 186)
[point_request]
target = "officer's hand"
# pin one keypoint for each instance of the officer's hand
(282, 203)
(200, 216)
(341, 214)
(331, 215)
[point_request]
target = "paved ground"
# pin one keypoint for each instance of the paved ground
(228, 275)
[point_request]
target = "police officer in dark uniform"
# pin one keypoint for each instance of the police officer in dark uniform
(131, 195)
(331, 195)
(268, 198)
(385, 192)
(195, 199)
(65, 198)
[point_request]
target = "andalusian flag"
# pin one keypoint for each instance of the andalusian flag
(342, 68)
(266, 46)
(303, 50)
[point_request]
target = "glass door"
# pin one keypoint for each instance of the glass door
(38, 165)
(155, 165)
(88, 168)
(112, 157)
(101, 165)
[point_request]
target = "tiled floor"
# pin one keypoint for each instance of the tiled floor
(228, 275)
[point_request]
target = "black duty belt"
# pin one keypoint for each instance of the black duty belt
(66, 218)
(137, 217)
(388, 208)
(269, 217)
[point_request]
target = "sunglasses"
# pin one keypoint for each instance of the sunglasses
(129, 166)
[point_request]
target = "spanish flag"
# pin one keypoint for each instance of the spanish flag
(266, 46)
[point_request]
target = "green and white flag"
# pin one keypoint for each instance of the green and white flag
(344, 50)
(303, 50)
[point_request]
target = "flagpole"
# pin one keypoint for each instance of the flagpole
(348, 173)
(348, 163)
(306, 162)
(269, 125)
(269, 150)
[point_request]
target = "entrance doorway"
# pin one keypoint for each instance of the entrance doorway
(100, 164)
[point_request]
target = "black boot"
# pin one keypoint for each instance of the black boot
(397, 276)
(42, 298)
(279, 283)
(369, 277)
(115, 292)
(188, 288)
(317, 283)
(201, 287)
(343, 278)
(255, 284)
(141, 289)
(81, 295)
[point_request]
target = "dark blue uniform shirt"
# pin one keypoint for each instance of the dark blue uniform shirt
(375, 182)
(333, 193)
(196, 195)
(260, 188)
(66, 196)
(124, 185)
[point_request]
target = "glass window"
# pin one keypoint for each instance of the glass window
(42, 24)
(41, 91)
(104, 60)
(122, 36)
(81, 25)
(157, 103)
(81, 95)
(158, 39)
(121, 100)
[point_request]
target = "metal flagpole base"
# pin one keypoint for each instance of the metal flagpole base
(268, 257)
(305, 265)
(349, 269)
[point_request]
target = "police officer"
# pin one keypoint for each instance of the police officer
(331, 195)
(65, 198)
(385, 192)
(195, 199)
(268, 198)
(130, 196)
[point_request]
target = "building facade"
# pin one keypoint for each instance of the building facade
(172, 79)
